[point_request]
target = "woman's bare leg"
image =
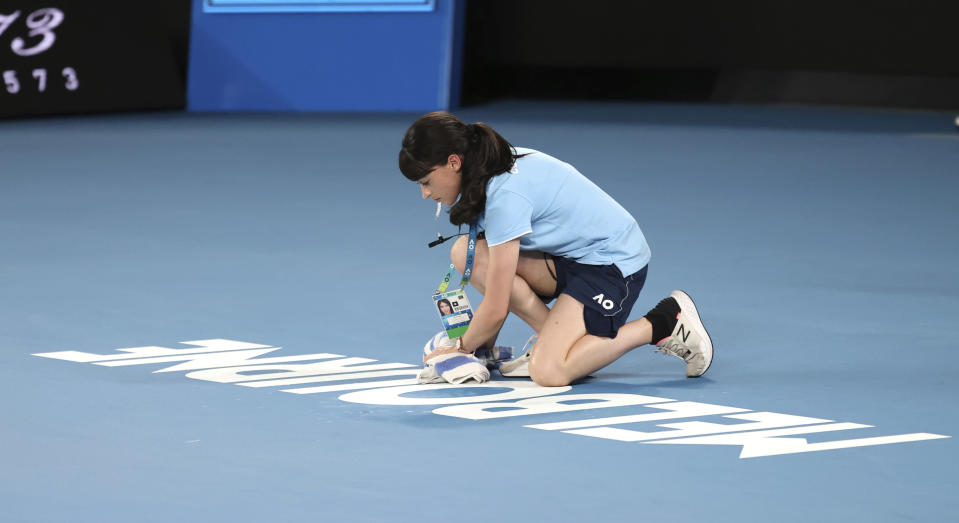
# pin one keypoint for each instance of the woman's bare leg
(564, 351)
(532, 278)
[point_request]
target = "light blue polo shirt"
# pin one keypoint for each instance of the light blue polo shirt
(552, 208)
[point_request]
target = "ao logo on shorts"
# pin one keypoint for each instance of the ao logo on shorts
(601, 299)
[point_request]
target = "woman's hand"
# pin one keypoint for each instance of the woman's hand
(443, 350)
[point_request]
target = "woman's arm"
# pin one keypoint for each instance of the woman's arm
(494, 308)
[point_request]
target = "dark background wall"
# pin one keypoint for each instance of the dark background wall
(108, 55)
(882, 53)
(885, 53)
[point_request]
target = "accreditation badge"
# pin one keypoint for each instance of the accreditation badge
(454, 310)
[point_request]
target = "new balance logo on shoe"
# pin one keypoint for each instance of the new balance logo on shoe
(696, 351)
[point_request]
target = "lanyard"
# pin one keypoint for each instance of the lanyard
(468, 270)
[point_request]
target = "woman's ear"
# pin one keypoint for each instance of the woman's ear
(455, 162)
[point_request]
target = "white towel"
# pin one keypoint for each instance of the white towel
(429, 375)
(455, 368)
(440, 339)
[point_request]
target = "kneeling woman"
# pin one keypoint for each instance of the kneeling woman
(550, 233)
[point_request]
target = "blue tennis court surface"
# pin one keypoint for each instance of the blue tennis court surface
(269, 280)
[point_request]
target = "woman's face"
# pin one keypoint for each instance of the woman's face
(445, 308)
(442, 184)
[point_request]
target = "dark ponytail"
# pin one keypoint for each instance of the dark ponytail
(434, 136)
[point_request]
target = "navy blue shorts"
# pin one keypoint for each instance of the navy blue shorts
(607, 296)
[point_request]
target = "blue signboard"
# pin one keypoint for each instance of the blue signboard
(315, 6)
(325, 61)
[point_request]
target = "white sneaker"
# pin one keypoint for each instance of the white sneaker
(519, 367)
(689, 340)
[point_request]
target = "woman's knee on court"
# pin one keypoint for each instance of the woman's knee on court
(548, 373)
